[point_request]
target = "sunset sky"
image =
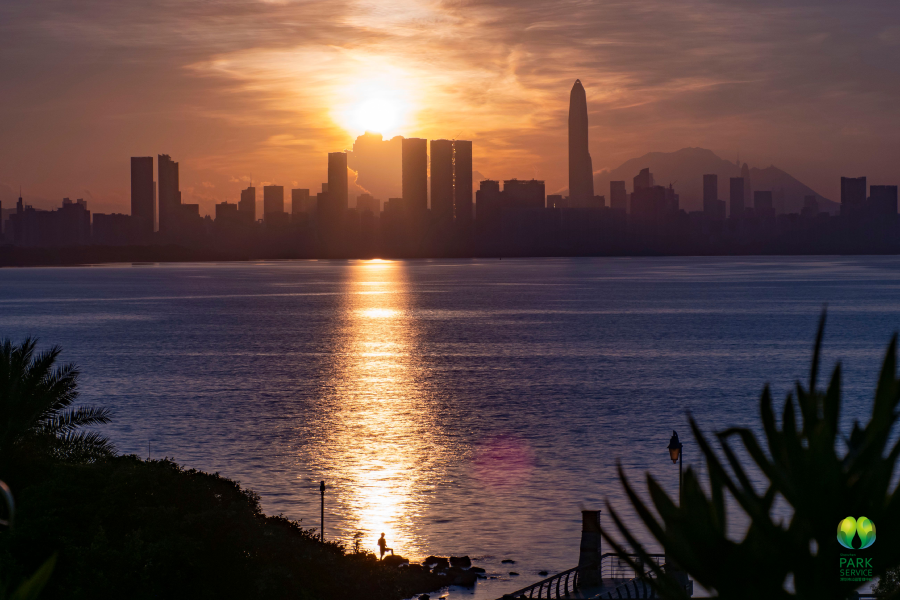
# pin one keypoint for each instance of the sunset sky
(241, 88)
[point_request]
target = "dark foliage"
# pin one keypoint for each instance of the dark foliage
(128, 528)
(806, 466)
(36, 408)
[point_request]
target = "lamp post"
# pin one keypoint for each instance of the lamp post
(676, 456)
(322, 515)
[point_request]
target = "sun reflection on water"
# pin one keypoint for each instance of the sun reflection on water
(382, 430)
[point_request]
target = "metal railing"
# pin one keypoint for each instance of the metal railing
(614, 566)
(563, 585)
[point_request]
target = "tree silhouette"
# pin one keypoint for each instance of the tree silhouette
(823, 476)
(36, 407)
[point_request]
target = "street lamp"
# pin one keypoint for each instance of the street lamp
(676, 456)
(322, 521)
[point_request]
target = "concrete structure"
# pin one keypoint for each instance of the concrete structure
(415, 173)
(442, 180)
(301, 202)
(247, 205)
(462, 181)
(169, 194)
(143, 196)
(338, 185)
(273, 202)
(581, 172)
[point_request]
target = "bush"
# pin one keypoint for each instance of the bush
(128, 528)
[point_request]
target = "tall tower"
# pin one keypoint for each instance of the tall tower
(338, 187)
(143, 192)
(581, 172)
(169, 193)
(442, 180)
(462, 180)
(414, 157)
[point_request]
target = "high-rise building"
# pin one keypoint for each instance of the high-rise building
(736, 198)
(488, 195)
(143, 196)
(618, 196)
(273, 202)
(247, 205)
(226, 212)
(853, 195)
(442, 180)
(519, 193)
(883, 199)
(462, 180)
(415, 173)
(643, 180)
(169, 194)
(581, 172)
(301, 202)
(338, 186)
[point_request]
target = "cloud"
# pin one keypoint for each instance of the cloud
(270, 87)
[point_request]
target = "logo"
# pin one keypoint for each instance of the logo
(850, 528)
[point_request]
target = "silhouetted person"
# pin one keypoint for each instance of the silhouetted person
(382, 545)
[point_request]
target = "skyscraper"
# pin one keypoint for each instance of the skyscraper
(247, 205)
(442, 180)
(736, 198)
(273, 200)
(853, 195)
(462, 180)
(338, 187)
(143, 195)
(415, 173)
(169, 194)
(643, 180)
(581, 173)
(451, 180)
(301, 202)
(883, 199)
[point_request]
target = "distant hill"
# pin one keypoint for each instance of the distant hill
(686, 168)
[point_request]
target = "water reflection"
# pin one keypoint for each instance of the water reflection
(381, 432)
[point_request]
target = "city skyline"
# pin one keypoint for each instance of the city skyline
(252, 94)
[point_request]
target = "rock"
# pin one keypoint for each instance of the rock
(476, 569)
(513, 573)
(424, 597)
(394, 561)
(507, 561)
(437, 562)
(465, 578)
(460, 561)
(543, 573)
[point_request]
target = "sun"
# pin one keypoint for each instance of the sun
(378, 98)
(378, 114)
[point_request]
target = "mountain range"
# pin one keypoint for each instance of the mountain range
(685, 169)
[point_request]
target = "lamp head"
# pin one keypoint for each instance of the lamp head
(674, 447)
